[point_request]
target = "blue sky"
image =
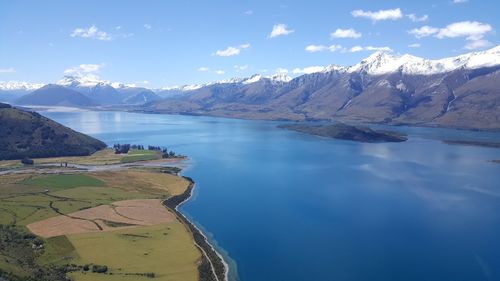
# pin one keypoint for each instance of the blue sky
(170, 43)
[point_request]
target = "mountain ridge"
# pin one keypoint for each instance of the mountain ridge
(382, 88)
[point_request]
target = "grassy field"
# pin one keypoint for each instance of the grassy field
(167, 250)
(64, 181)
(141, 155)
(102, 157)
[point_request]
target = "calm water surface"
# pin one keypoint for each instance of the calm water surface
(288, 206)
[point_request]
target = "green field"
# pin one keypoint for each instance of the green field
(168, 251)
(64, 181)
(141, 155)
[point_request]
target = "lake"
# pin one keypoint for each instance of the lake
(289, 206)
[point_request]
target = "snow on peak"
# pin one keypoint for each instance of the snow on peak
(89, 81)
(80, 81)
(191, 87)
(254, 78)
(383, 62)
(230, 81)
(280, 77)
(18, 85)
(333, 67)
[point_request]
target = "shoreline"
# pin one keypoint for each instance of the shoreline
(357, 121)
(213, 267)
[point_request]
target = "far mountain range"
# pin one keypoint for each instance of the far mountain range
(461, 92)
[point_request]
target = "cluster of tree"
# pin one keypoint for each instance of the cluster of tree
(167, 154)
(124, 148)
(99, 268)
(121, 148)
(137, 146)
(152, 147)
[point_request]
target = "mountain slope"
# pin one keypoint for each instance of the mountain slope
(55, 95)
(142, 97)
(461, 91)
(28, 134)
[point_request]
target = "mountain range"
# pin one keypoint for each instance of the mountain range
(461, 91)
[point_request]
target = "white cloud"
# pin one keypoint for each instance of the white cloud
(424, 31)
(472, 31)
(118, 27)
(308, 70)
(460, 1)
(220, 72)
(371, 48)
(281, 70)
(321, 48)
(345, 33)
(415, 18)
(279, 30)
(203, 69)
(240, 67)
(92, 32)
(248, 12)
(477, 44)
(84, 69)
(231, 51)
(7, 70)
(391, 14)
(414, 45)
(147, 26)
(356, 49)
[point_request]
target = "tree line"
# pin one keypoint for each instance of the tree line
(125, 148)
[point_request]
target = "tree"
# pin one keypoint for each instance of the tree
(121, 148)
(27, 161)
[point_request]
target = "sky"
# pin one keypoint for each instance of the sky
(168, 43)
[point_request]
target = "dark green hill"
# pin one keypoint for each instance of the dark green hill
(55, 95)
(28, 134)
(346, 132)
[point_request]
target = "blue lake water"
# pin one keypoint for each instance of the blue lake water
(289, 206)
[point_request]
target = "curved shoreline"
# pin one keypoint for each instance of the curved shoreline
(213, 267)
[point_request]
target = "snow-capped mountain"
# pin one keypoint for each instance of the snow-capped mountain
(461, 91)
(19, 86)
(384, 62)
(87, 81)
(12, 90)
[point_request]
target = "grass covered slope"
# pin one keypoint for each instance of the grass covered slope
(28, 134)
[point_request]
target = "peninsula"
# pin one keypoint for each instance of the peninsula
(346, 132)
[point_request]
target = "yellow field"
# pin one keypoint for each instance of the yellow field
(167, 250)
